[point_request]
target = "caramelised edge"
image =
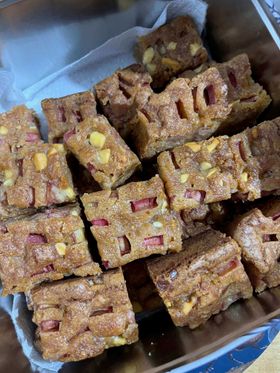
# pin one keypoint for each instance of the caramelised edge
(18, 127)
(121, 94)
(132, 222)
(34, 176)
(64, 113)
(200, 281)
(99, 147)
(43, 247)
(171, 49)
(257, 232)
(80, 318)
(186, 110)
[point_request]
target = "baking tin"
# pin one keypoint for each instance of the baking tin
(232, 27)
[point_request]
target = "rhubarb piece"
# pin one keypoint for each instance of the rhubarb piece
(44, 247)
(110, 165)
(171, 49)
(258, 234)
(121, 94)
(216, 168)
(80, 318)
(133, 223)
(64, 113)
(34, 176)
(185, 111)
(18, 127)
(202, 280)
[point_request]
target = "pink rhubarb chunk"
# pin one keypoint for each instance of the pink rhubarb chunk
(49, 326)
(232, 79)
(100, 222)
(276, 216)
(35, 238)
(47, 269)
(124, 245)
(101, 311)
(209, 95)
(197, 195)
(68, 134)
(153, 241)
(32, 137)
(231, 265)
(143, 204)
(61, 114)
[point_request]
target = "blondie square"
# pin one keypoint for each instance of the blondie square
(99, 148)
(171, 49)
(132, 222)
(44, 247)
(202, 280)
(80, 318)
(64, 113)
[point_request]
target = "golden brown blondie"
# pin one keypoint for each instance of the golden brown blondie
(43, 247)
(132, 222)
(80, 318)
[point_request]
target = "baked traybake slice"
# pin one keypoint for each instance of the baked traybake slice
(209, 171)
(44, 247)
(258, 233)
(121, 94)
(80, 318)
(171, 49)
(264, 142)
(202, 280)
(247, 98)
(34, 176)
(186, 110)
(18, 127)
(132, 222)
(99, 148)
(66, 112)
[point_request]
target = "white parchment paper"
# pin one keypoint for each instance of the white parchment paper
(78, 76)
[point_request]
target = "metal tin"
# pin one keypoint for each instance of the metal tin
(232, 27)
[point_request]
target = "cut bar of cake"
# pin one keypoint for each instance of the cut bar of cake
(18, 127)
(258, 233)
(264, 142)
(80, 318)
(209, 171)
(44, 247)
(99, 148)
(121, 94)
(132, 222)
(185, 111)
(64, 113)
(32, 177)
(171, 49)
(202, 280)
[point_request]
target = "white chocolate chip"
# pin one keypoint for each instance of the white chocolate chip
(204, 166)
(187, 307)
(172, 64)
(148, 55)
(162, 49)
(194, 146)
(74, 213)
(151, 67)
(8, 182)
(172, 46)
(104, 156)
(69, 192)
(168, 304)
(118, 341)
(244, 177)
(3, 130)
(213, 145)
(194, 48)
(8, 174)
(79, 235)
(97, 139)
(60, 248)
(164, 206)
(212, 171)
(157, 224)
(184, 178)
(40, 161)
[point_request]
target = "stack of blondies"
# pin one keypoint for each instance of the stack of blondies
(141, 141)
